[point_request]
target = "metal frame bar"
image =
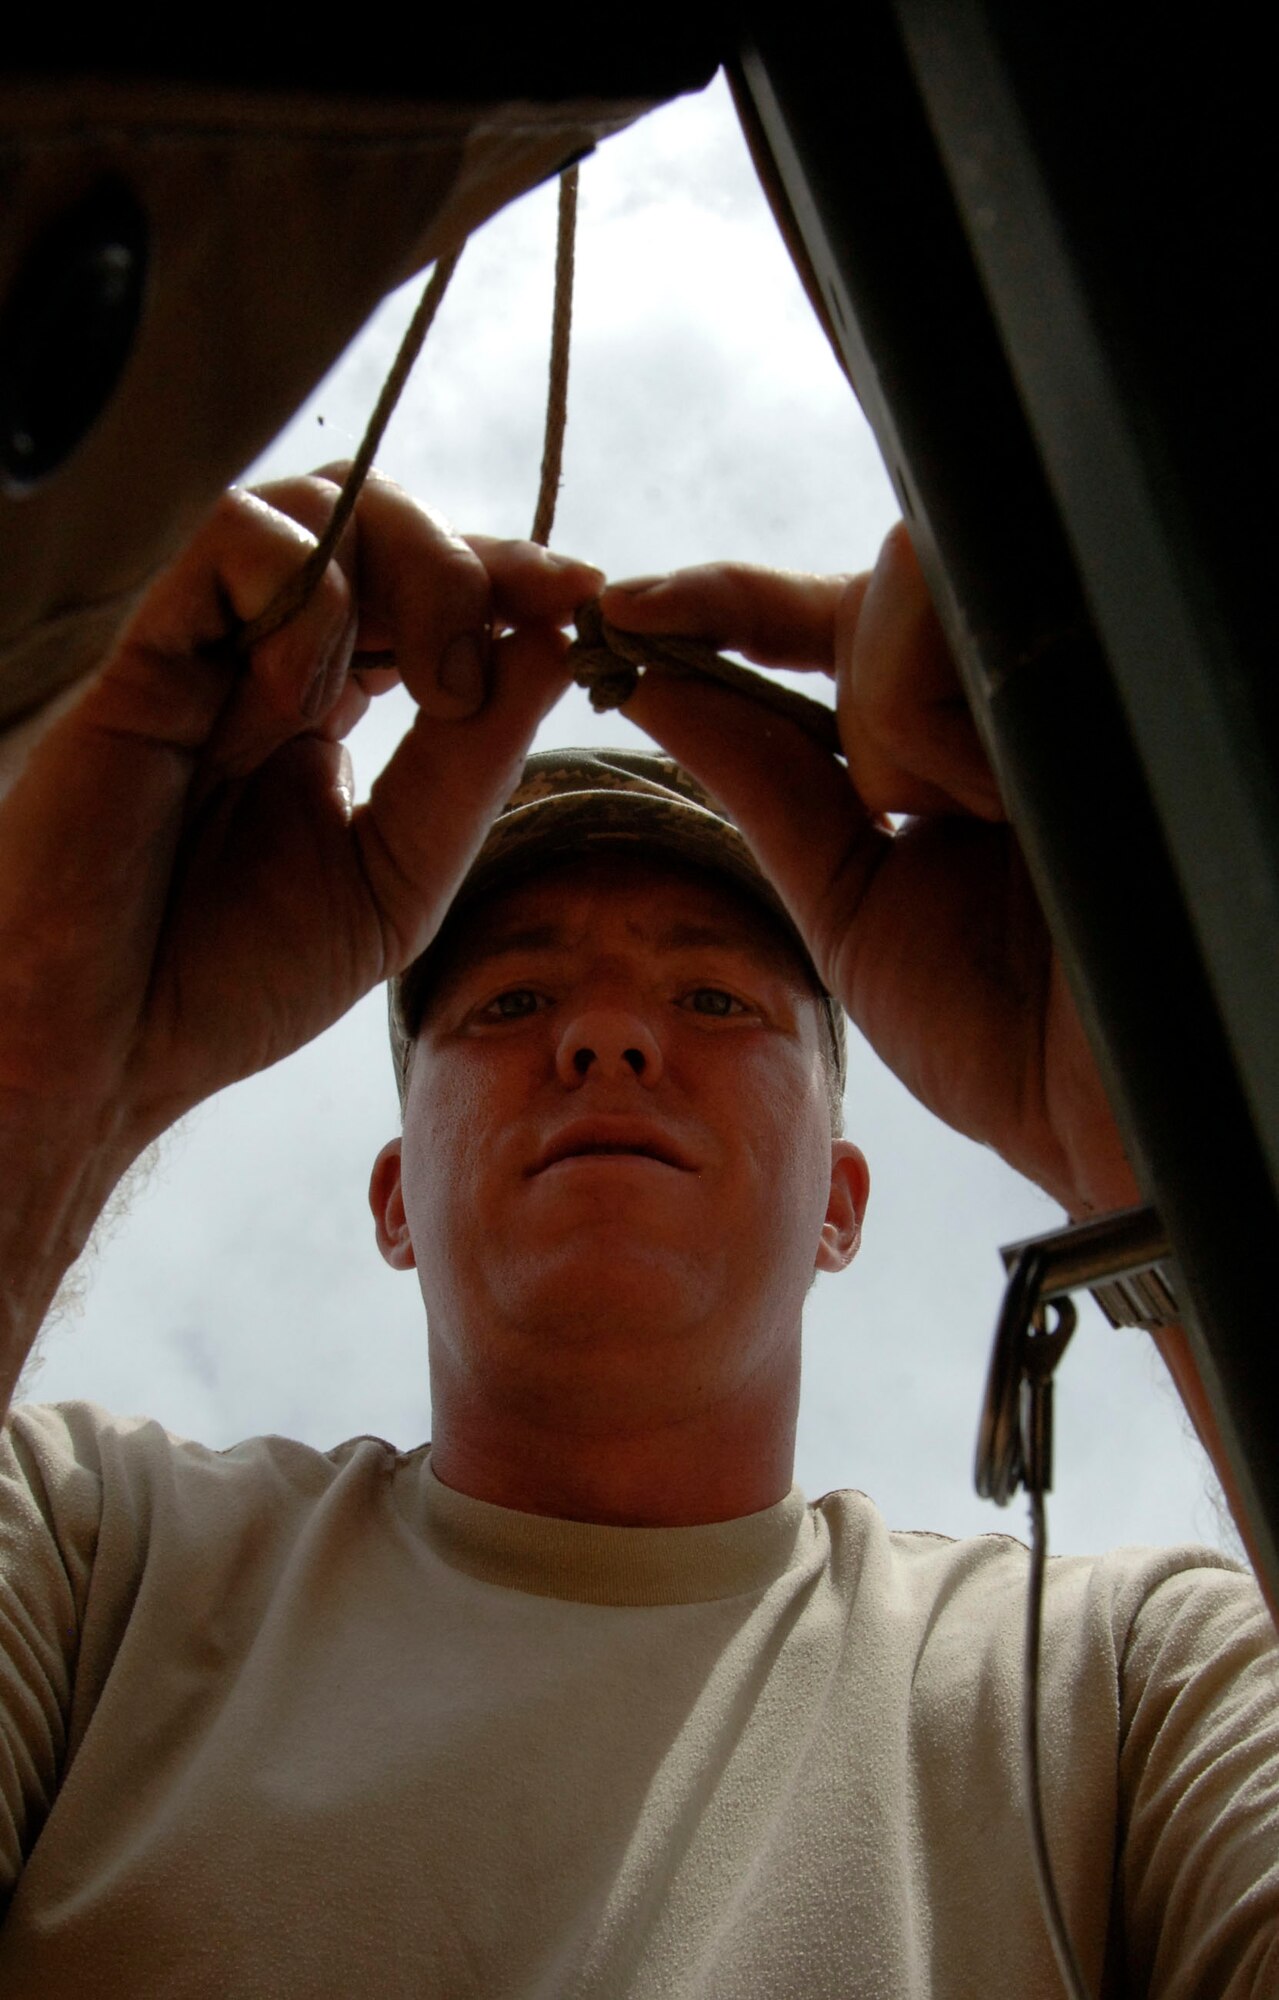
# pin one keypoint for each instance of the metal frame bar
(954, 170)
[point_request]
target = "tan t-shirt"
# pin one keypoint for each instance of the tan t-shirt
(285, 1722)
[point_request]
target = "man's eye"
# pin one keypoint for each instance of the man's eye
(714, 1000)
(513, 1005)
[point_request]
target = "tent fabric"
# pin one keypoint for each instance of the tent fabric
(276, 222)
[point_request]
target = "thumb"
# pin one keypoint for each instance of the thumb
(801, 817)
(429, 811)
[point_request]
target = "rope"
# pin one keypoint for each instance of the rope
(557, 387)
(608, 662)
(290, 598)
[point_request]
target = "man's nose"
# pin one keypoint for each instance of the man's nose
(608, 1045)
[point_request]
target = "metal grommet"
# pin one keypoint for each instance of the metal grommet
(67, 329)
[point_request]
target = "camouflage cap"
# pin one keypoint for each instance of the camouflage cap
(569, 802)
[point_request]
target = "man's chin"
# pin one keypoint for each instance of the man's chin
(601, 1290)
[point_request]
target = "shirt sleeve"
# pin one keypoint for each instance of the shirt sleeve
(1199, 1785)
(50, 1507)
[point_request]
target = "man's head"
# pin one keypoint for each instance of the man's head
(617, 1172)
(573, 802)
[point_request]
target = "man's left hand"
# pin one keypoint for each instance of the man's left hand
(929, 932)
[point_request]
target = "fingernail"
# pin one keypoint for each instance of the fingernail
(344, 780)
(635, 586)
(574, 564)
(461, 669)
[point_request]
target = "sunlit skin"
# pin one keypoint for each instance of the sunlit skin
(615, 1336)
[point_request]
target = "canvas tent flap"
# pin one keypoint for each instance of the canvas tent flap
(273, 223)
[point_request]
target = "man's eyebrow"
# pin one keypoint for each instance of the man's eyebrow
(720, 934)
(679, 936)
(723, 936)
(726, 935)
(468, 958)
(484, 945)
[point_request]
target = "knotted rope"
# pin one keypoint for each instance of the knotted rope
(606, 661)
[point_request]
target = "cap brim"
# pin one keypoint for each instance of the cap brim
(561, 827)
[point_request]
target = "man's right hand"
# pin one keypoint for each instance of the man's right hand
(186, 894)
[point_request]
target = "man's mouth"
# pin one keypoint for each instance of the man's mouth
(612, 1139)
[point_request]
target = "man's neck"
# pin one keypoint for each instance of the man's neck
(711, 1464)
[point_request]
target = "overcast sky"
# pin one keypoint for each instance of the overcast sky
(243, 1292)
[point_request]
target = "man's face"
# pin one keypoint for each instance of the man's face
(617, 1133)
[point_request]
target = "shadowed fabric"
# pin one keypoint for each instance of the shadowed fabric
(276, 222)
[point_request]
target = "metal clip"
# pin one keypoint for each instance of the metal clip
(1015, 1448)
(1014, 1439)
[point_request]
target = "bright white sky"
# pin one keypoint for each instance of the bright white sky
(243, 1292)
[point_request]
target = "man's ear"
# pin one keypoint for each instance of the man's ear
(386, 1199)
(841, 1235)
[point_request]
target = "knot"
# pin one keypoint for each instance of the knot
(608, 663)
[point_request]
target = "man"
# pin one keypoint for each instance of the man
(588, 1700)
(619, 1075)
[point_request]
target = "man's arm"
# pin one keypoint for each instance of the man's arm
(1198, 1865)
(931, 934)
(186, 892)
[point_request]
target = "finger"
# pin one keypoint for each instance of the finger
(432, 806)
(805, 824)
(417, 580)
(777, 618)
(297, 680)
(421, 585)
(422, 592)
(533, 585)
(373, 674)
(909, 736)
(351, 707)
(175, 672)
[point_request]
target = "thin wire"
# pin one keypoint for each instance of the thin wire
(290, 598)
(1067, 1963)
(561, 340)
